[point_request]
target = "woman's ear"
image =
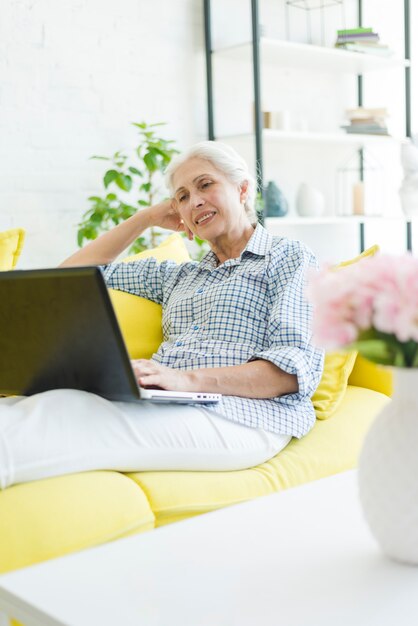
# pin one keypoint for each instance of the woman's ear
(243, 191)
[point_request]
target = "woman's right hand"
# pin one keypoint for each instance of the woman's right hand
(165, 215)
(109, 245)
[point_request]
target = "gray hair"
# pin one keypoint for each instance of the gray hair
(227, 161)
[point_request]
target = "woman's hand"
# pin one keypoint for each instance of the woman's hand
(109, 245)
(152, 374)
(256, 379)
(165, 215)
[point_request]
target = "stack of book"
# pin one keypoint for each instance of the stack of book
(366, 121)
(361, 40)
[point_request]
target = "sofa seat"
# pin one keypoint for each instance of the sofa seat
(332, 446)
(47, 518)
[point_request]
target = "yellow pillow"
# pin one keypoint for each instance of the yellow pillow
(337, 366)
(371, 375)
(369, 252)
(11, 243)
(139, 318)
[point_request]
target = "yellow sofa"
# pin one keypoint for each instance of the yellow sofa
(48, 518)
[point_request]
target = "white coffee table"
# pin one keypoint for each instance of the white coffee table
(303, 557)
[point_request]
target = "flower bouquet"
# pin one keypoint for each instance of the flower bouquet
(372, 307)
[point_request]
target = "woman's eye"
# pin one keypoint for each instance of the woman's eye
(204, 185)
(182, 198)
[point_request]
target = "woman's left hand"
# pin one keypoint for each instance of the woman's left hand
(151, 374)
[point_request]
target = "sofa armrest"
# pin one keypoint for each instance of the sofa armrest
(372, 376)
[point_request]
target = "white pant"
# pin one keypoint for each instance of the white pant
(64, 431)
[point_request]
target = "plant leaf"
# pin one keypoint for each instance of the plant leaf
(109, 177)
(134, 170)
(375, 350)
(124, 182)
(409, 350)
(150, 161)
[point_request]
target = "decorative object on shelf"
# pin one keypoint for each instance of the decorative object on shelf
(366, 121)
(372, 307)
(277, 120)
(360, 185)
(312, 25)
(361, 40)
(409, 188)
(310, 202)
(275, 201)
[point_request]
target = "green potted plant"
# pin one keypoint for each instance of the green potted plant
(130, 183)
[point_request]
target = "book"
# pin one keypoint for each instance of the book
(370, 44)
(368, 120)
(367, 49)
(370, 129)
(351, 31)
(359, 37)
(367, 112)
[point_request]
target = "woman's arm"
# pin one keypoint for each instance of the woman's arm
(257, 379)
(108, 246)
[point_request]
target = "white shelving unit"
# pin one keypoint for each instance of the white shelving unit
(314, 137)
(268, 54)
(309, 57)
(274, 222)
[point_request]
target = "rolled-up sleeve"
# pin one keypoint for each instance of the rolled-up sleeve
(289, 330)
(146, 277)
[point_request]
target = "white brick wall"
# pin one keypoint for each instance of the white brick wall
(73, 75)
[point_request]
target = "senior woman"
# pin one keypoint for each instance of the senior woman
(236, 323)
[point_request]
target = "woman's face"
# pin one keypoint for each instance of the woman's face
(208, 203)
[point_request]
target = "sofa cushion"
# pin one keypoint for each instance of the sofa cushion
(49, 518)
(332, 446)
(333, 384)
(140, 319)
(11, 243)
(372, 376)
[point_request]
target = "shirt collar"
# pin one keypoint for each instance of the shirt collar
(259, 243)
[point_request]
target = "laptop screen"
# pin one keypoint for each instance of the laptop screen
(59, 330)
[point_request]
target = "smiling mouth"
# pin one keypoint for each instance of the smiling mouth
(204, 218)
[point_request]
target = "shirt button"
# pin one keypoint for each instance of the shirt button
(200, 290)
(179, 343)
(195, 327)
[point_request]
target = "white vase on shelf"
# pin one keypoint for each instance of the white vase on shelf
(310, 202)
(409, 199)
(388, 471)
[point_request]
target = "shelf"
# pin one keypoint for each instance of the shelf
(314, 137)
(309, 57)
(329, 220)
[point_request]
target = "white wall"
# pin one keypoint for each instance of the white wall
(73, 75)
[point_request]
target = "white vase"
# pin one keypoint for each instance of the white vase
(409, 200)
(388, 471)
(310, 202)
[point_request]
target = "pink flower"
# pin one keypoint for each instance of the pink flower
(377, 294)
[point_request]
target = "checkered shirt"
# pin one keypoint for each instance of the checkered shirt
(251, 307)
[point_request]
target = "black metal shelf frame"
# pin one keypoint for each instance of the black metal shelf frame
(258, 125)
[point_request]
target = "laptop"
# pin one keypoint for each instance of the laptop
(58, 330)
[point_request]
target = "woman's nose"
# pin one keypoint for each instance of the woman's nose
(196, 200)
